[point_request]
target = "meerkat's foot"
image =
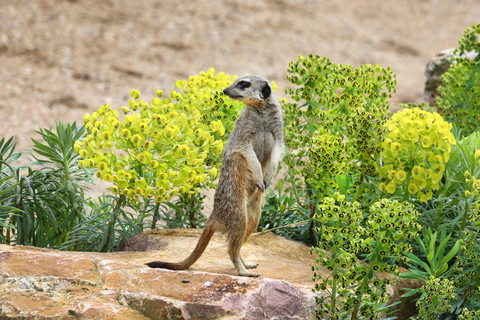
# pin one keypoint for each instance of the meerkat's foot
(248, 274)
(239, 263)
(250, 265)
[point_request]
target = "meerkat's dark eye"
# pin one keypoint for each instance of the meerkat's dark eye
(243, 84)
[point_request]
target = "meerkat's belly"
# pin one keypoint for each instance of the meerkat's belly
(263, 147)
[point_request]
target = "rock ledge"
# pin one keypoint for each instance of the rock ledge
(49, 284)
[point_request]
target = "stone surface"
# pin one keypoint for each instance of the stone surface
(49, 284)
(277, 257)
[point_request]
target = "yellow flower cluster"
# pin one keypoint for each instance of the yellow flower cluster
(159, 149)
(416, 149)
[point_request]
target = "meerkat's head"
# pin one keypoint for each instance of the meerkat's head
(251, 90)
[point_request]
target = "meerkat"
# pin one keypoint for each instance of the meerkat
(250, 160)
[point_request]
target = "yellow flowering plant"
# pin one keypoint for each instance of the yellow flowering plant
(170, 146)
(459, 98)
(415, 151)
(333, 127)
(352, 288)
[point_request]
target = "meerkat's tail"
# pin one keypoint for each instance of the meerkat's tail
(202, 243)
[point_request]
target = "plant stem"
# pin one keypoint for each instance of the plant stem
(441, 204)
(334, 296)
(312, 212)
(334, 284)
(364, 283)
(465, 218)
(407, 180)
(192, 212)
(112, 224)
(155, 215)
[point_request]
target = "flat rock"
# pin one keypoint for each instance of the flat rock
(40, 283)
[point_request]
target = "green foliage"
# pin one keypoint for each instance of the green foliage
(437, 265)
(354, 288)
(46, 205)
(40, 207)
(345, 163)
(333, 101)
(447, 217)
(438, 294)
(457, 211)
(458, 193)
(7, 151)
(337, 100)
(282, 214)
(469, 314)
(351, 150)
(460, 94)
(169, 147)
(467, 272)
(106, 227)
(456, 296)
(185, 212)
(7, 186)
(450, 206)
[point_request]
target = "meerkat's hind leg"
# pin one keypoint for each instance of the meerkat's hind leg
(254, 210)
(242, 268)
(234, 246)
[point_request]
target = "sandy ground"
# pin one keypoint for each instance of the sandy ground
(60, 59)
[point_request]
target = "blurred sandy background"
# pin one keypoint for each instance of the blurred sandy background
(62, 58)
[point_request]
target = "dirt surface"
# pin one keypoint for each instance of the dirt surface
(60, 59)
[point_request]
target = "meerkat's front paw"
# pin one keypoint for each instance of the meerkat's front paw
(267, 183)
(261, 186)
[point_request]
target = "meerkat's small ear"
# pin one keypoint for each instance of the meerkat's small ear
(266, 91)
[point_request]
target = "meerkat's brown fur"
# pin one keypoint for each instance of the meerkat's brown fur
(250, 161)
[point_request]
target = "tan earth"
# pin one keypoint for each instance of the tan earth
(60, 59)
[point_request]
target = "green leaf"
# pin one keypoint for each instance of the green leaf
(441, 246)
(410, 292)
(7, 190)
(442, 270)
(432, 242)
(414, 258)
(421, 244)
(414, 274)
(11, 209)
(451, 253)
(430, 258)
